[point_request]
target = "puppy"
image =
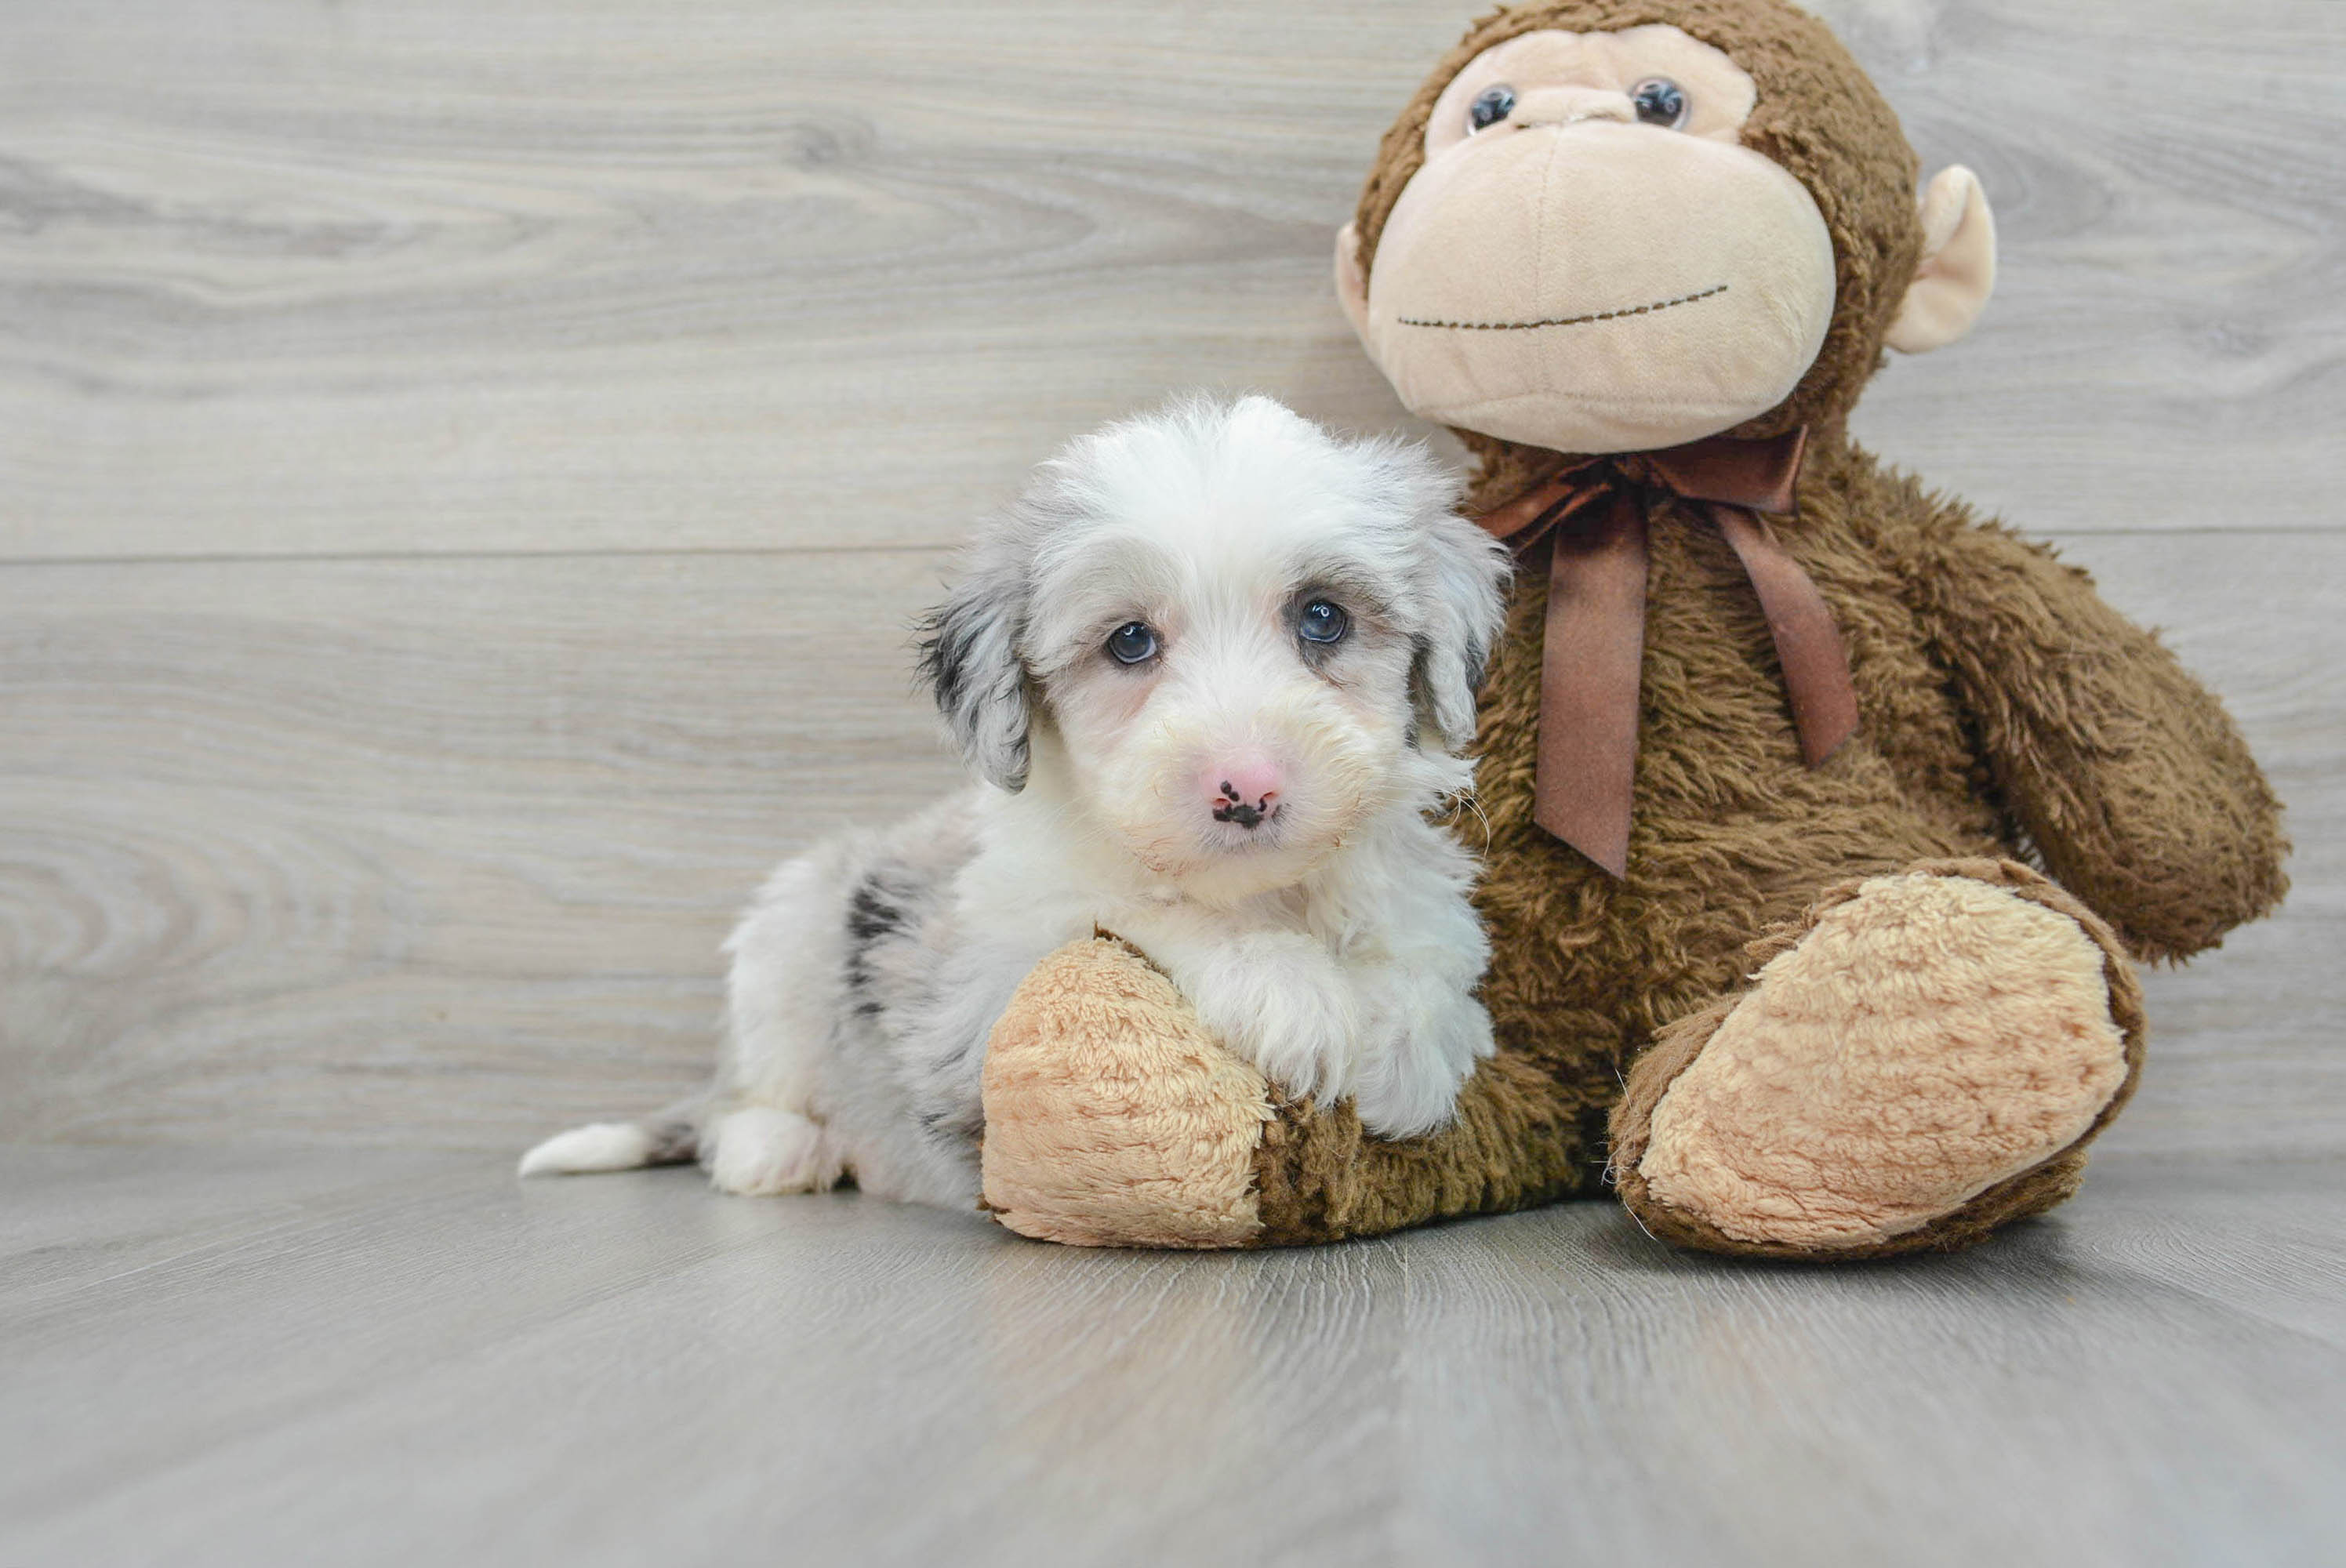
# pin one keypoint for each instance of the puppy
(1214, 667)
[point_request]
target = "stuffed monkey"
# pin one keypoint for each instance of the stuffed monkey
(1825, 821)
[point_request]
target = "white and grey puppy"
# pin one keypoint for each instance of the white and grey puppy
(1214, 666)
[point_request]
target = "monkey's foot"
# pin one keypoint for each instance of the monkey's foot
(1923, 1061)
(1113, 1117)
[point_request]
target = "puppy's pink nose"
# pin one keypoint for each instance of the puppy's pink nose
(1243, 790)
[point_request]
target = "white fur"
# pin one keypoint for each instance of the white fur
(598, 1147)
(760, 1152)
(1331, 943)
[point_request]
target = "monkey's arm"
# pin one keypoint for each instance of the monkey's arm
(2128, 774)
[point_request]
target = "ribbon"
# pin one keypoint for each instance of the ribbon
(1593, 517)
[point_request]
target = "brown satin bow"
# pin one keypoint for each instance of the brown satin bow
(1594, 638)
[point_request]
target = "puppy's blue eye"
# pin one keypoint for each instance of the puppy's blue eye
(1132, 643)
(1491, 106)
(1324, 622)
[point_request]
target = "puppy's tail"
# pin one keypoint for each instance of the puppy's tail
(670, 1138)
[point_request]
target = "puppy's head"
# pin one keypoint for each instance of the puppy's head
(1226, 637)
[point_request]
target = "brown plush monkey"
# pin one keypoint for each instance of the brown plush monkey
(1825, 821)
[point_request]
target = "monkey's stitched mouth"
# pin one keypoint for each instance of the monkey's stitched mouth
(1567, 320)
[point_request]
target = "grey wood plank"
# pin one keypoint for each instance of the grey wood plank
(377, 851)
(2000, 1407)
(277, 279)
(355, 850)
(422, 1359)
(439, 851)
(2247, 1055)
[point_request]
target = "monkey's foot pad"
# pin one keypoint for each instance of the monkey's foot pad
(1921, 1064)
(1113, 1117)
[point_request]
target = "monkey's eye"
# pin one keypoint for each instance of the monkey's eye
(1491, 106)
(1324, 622)
(1132, 643)
(1660, 102)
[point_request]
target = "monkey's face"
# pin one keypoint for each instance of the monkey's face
(1589, 259)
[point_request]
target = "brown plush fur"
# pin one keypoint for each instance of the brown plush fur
(2008, 715)
(2009, 719)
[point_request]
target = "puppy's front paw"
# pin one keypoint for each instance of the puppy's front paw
(761, 1151)
(1280, 1002)
(1418, 1048)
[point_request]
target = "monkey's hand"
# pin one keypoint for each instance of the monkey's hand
(1115, 1118)
(2127, 774)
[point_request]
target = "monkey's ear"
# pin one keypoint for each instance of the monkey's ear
(1958, 270)
(1351, 288)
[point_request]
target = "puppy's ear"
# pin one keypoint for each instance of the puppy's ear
(1458, 575)
(1462, 576)
(969, 656)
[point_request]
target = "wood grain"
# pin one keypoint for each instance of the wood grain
(440, 851)
(396, 850)
(398, 1359)
(277, 278)
(465, 474)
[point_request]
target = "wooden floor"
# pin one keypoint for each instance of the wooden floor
(243, 1359)
(466, 473)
